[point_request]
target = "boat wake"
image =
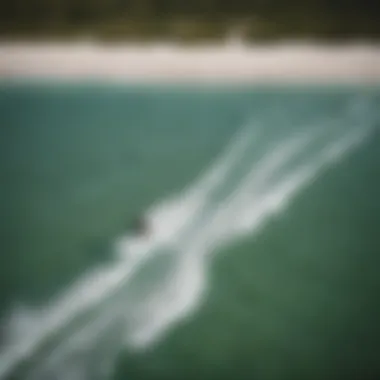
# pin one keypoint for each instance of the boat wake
(158, 280)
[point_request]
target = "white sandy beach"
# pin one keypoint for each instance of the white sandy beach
(235, 63)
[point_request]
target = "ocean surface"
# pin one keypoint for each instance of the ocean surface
(262, 256)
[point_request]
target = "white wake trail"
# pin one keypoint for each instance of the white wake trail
(101, 283)
(192, 228)
(180, 296)
(183, 294)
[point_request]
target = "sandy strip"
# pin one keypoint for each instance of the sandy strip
(164, 62)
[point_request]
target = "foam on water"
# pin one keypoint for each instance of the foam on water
(244, 213)
(167, 218)
(188, 225)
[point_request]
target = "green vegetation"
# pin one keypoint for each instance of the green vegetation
(191, 20)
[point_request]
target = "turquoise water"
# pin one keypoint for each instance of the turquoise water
(263, 258)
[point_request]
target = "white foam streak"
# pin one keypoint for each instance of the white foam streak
(174, 302)
(223, 227)
(185, 225)
(229, 217)
(167, 218)
(171, 217)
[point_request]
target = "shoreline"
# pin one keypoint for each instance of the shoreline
(229, 63)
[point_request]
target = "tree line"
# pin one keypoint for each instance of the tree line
(186, 20)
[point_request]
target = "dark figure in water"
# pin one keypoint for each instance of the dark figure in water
(140, 226)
